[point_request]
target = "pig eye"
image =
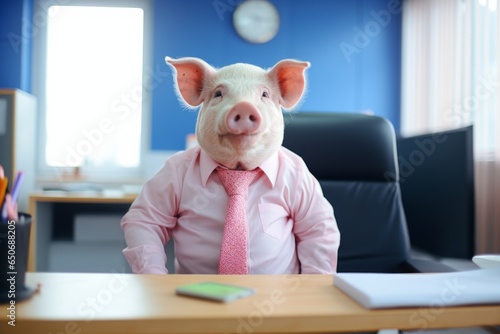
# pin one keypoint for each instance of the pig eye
(265, 94)
(218, 93)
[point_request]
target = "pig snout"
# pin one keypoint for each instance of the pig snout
(243, 118)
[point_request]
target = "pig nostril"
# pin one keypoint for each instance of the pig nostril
(237, 118)
(252, 118)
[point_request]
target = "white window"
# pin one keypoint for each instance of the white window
(451, 69)
(90, 59)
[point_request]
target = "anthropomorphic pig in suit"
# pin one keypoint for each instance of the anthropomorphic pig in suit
(290, 226)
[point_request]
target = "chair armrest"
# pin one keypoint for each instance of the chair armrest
(428, 266)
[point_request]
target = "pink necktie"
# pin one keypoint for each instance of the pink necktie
(233, 252)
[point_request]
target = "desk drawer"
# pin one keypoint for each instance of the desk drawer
(98, 227)
(87, 257)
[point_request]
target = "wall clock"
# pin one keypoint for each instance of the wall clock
(256, 21)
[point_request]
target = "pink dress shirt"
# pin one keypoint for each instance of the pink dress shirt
(291, 226)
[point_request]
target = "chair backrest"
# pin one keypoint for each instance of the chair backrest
(354, 157)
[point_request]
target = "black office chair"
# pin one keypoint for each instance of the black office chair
(354, 157)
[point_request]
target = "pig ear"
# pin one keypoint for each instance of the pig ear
(291, 79)
(190, 75)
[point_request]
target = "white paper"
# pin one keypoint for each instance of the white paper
(480, 286)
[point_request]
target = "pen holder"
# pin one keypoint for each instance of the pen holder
(14, 247)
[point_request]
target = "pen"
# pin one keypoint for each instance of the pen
(3, 189)
(8, 209)
(17, 187)
(3, 185)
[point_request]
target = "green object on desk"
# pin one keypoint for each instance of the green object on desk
(215, 291)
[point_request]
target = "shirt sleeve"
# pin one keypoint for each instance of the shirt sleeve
(148, 223)
(316, 231)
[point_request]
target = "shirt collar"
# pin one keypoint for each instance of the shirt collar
(270, 167)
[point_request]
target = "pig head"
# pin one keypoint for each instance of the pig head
(240, 122)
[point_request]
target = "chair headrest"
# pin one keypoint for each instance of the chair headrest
(343, 146)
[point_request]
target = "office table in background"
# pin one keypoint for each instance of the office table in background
(127, 303)
(42, 206)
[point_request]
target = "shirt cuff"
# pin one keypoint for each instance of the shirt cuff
(146, 259)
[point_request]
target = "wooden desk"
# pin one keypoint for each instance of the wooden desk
(40, 207)
(127, 303)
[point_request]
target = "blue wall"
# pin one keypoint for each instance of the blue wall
(355, 54)
(365, 76)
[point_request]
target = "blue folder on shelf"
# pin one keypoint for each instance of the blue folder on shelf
(481, 286)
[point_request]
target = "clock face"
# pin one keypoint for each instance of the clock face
(256, 21)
